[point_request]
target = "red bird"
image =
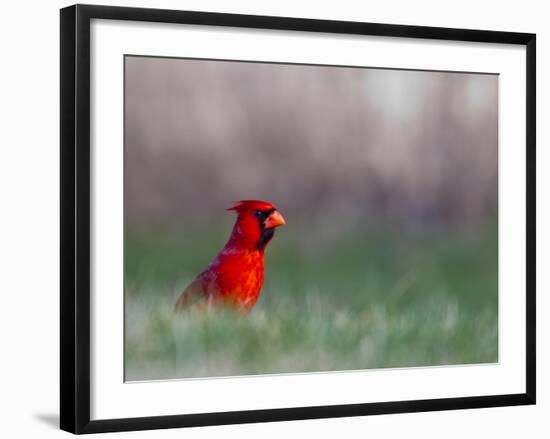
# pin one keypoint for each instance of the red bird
(235, 276)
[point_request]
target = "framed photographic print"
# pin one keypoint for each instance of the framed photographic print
(275, 218)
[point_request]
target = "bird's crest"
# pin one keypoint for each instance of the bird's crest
(241, 205)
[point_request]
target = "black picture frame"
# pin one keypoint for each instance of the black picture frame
(75, 217)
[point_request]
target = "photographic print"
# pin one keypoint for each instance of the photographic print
(306, 218)
(292, 218)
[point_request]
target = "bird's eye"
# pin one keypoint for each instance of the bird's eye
(258, 213)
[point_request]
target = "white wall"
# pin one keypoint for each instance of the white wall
(29, 217)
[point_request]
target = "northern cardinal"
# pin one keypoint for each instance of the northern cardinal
(235, 276)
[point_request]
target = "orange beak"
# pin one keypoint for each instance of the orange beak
(274, 220)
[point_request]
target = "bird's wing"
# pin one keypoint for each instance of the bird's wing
(192, 294)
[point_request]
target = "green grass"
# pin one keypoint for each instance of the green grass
(366, 299)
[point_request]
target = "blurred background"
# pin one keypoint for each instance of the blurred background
(387, 179)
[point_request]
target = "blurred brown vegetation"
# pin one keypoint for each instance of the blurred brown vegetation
(406, 147)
